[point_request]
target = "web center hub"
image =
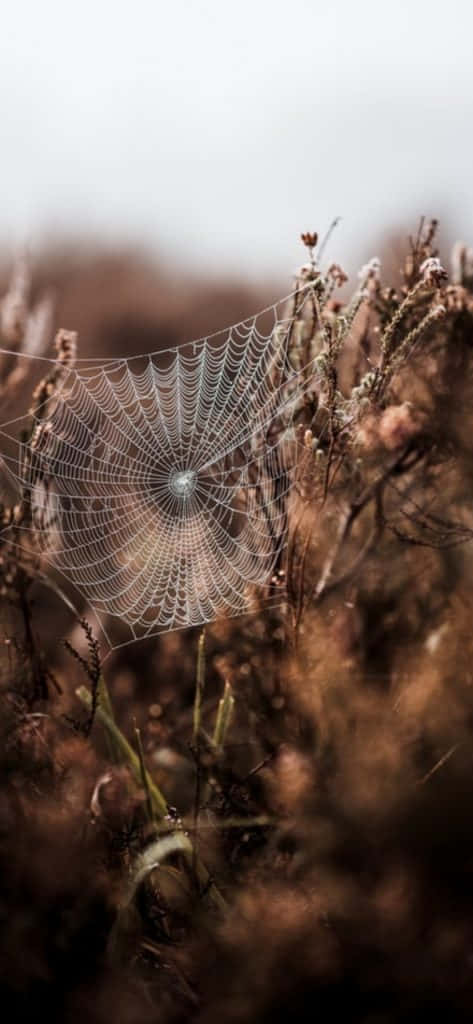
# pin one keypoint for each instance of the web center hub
(182, 482)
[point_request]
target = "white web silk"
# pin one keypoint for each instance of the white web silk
(158, 483)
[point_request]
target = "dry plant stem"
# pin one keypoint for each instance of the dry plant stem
(332, 389)
(159, 805)
(374, 491)
(387, 340)
(385, 375)
(225, 708)
(105, 702)
(196, 735)
(92, 669)
(158, 802)
(144, 775)
(295, 595)
(439, 764)
(258, 821)
(216, 743)
(442, 533)
(440, 542)
(199, 688)
(331, 381)
(39, 684)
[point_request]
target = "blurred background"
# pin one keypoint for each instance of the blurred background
(210, 134)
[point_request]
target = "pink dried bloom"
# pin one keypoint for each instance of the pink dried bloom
(397, 425)
(392, 429)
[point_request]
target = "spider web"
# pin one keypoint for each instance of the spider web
(158, 484)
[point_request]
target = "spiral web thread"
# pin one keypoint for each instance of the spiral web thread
(158, 484)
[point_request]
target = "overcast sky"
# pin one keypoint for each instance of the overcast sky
(218, 131)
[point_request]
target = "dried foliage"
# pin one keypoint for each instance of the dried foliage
(271, 821)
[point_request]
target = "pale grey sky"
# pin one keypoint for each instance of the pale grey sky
(217, 131)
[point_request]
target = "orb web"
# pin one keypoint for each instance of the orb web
(158, 483)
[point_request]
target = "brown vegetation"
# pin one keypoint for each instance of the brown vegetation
(272, 822)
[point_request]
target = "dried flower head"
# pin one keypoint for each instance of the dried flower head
(309, 238)
(307, 272)
(432, 271)
(370, 271)
(337, 274)
(66, 347)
